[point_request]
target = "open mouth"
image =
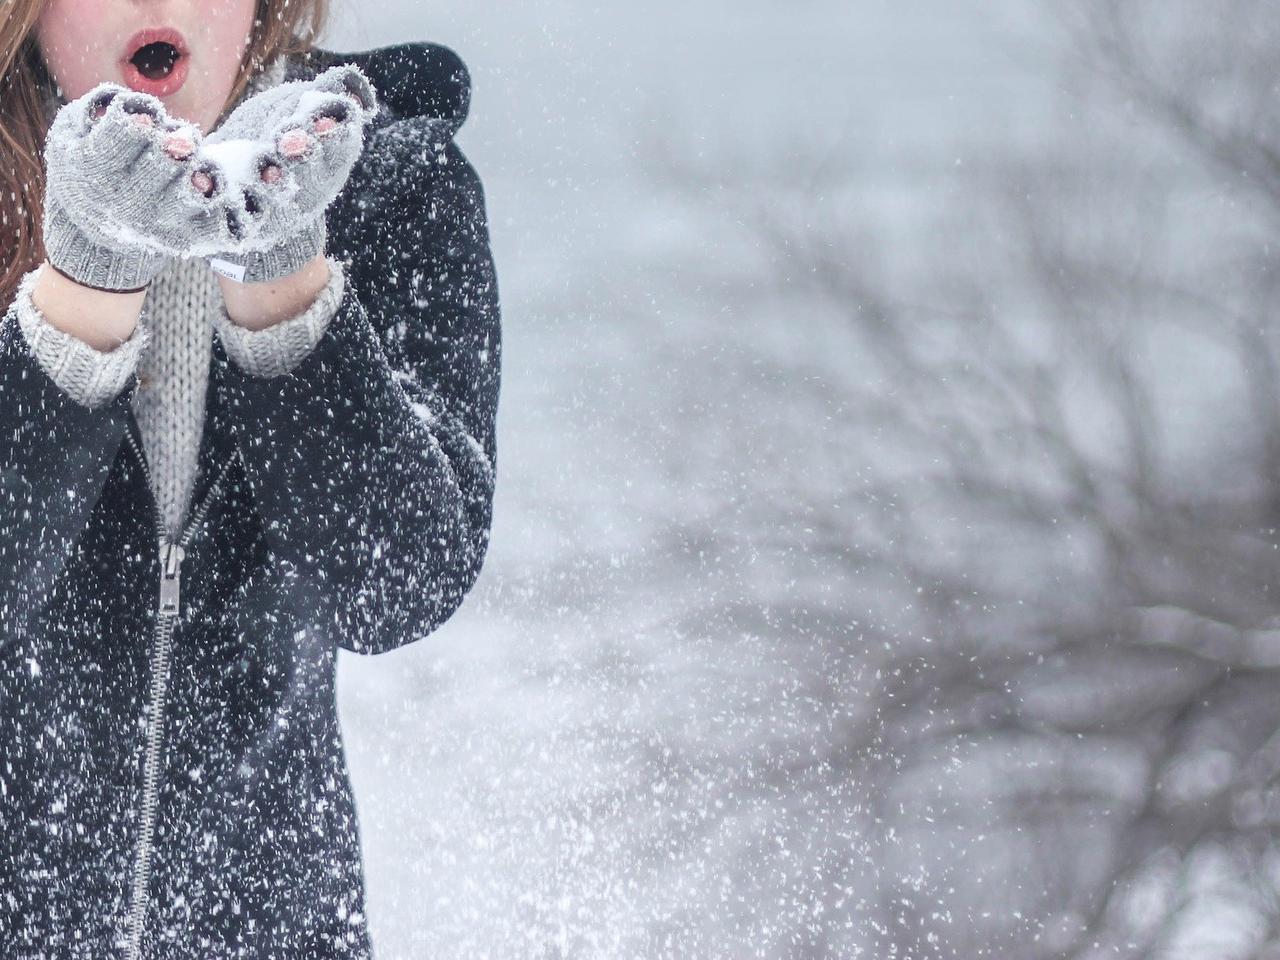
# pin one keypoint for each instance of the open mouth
(155, 61)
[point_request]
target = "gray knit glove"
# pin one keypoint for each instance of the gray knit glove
(119, 198)
(285, 154)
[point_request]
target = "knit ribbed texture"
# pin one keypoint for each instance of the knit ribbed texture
(286, 257)
(116, 203)
(171, 349)
(169, 406)
(113, 266)
(290, 340)
(287, 228)
(90, 376)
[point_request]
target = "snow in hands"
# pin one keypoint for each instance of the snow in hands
(123, 173)
(286, 153)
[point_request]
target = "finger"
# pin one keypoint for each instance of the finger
(271, 173)
(294, 143)
(323, 113)
(348, 80)
(205, 183)
(123, 131)
(271, 187)
(143, 107)
(206, 186)
(93, 104)
(180, 145)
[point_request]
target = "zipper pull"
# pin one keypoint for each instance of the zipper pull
(170, 578)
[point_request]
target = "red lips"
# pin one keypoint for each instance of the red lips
(165, 66)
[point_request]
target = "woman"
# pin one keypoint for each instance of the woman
(248, 426)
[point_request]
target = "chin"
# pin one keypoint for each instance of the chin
(185, 112)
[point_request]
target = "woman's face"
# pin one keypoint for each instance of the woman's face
(87, 42)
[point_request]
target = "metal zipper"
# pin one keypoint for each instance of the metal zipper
(171, 557)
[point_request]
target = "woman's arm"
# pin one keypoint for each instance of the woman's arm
(372, 461)
(90, 362)
(102, 320)
(257, 306)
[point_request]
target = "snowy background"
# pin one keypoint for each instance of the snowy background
(889, 483)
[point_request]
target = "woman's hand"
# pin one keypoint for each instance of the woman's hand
(120, 197)
(283, 156)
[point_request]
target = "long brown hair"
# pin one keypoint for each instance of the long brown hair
(280, 27)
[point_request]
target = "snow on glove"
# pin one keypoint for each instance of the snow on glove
(285, 155)
(119, 198)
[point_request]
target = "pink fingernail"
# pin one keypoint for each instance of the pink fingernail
(202, 182)
(179, 146)
(144, 120)
(271, 173)
(325, 124)
(294, 143)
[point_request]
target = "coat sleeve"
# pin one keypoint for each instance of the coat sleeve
(55, 456)
(372, 460)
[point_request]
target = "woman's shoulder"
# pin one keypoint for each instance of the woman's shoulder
(418, 79)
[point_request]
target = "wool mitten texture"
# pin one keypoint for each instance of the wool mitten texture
(277, 161)
(118, 202)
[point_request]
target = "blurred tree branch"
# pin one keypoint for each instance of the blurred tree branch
(1076, 740)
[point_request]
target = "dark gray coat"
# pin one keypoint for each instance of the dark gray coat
(346, 504)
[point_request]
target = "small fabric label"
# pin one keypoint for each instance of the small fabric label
(232, 271)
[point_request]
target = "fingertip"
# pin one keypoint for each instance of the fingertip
(98, 101)
(293, 144)
(204, 183)
(179, 145)
(349, 80)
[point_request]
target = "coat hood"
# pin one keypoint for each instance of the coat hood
(413, 80)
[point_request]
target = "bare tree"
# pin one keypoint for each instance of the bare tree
(1055, 445)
